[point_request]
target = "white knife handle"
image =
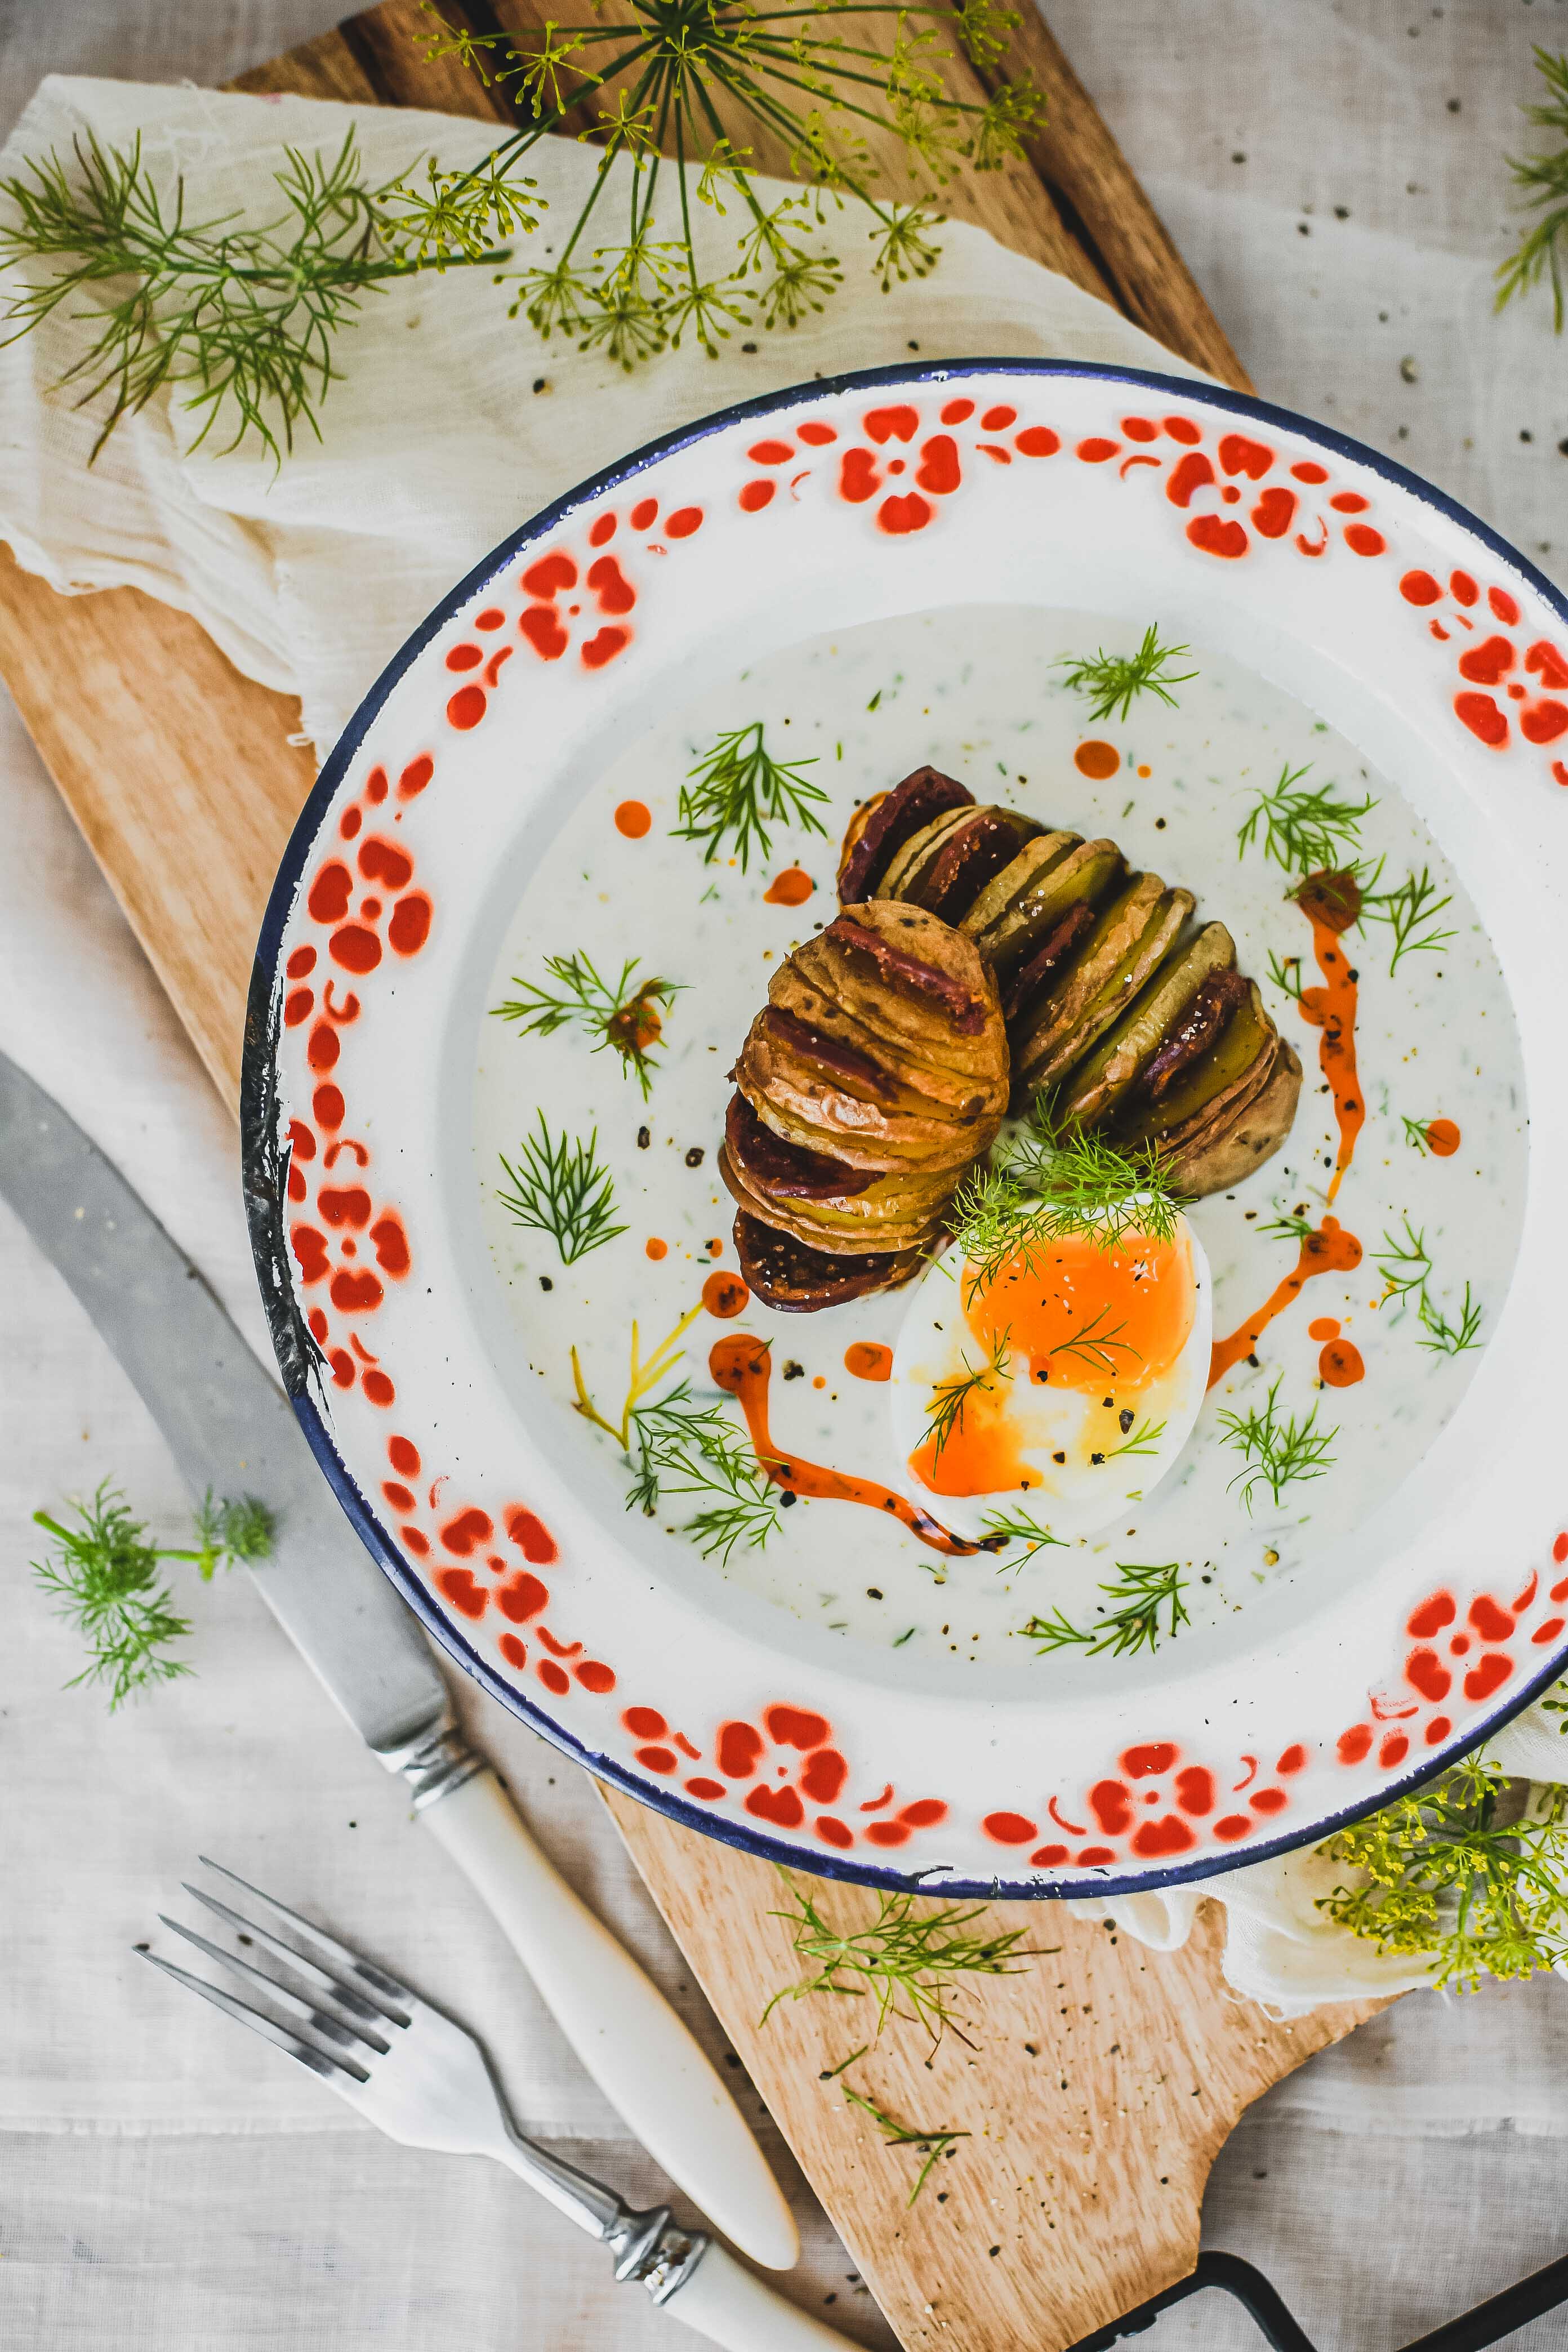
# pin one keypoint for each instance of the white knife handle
(730, 2307)
(618, 2022)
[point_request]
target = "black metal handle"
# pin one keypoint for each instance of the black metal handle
(1488, 2323)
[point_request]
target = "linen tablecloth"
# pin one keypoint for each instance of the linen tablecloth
(162, 2182)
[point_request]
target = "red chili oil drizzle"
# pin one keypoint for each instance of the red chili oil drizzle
(742, 1367)
(1331, 903)
(1329, 1250)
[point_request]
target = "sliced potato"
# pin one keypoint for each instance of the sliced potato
(1246, 1139)
(1087, 873)
(914, 858)
(1110, 1072)
(1033, 862)
(1214, 1081)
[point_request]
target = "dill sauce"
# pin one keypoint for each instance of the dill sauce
(976, 692)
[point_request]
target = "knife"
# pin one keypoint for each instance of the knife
(232, 1432)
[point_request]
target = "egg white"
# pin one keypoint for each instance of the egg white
(935, 1344)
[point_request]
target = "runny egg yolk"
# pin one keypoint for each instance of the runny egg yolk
(1108, 1324)
(1086, 1317)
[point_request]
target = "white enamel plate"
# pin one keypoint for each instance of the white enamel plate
(878, 573)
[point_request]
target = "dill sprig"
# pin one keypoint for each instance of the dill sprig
(676, 1447)
(933, 2144)
(1096, 1344)
(642, 1378)
(1445, 1338)
(1144, 1439)
(684, 1448)
(1279, 1450)
(1019, 1526)
(103, 1574)
(1410, 913)
(1139, 1591)
(1114, 679)
(800, 75)
(1543, 181)
(950, 1398)
(1460, 1874)
(1417, 1134)
(1286, 974)
(1403, 1263)
(911, 1959)
(737, 789)
(236, 320)
(1303, 828)
(614, 1013)
(559, 1188)
(1049, 1187)
(1289, 1225)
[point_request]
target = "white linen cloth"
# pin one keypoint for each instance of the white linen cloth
(163, 2183)
(435, 443)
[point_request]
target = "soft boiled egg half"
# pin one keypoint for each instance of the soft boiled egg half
(1063, 1388)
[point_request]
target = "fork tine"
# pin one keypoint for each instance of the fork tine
(317, 2060)
(317, 2009)
(377, 1977)
(369, 2002)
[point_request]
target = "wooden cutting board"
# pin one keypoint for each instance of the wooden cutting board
(1102, 2080)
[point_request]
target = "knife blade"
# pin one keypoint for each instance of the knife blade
(232, 1431)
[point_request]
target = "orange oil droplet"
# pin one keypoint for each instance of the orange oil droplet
(1340, 1365)
(632, 818)
(1097, 759)
(1443, 1138)
(791, 889)
(867, 1360)
(1145, 769)
(1331, 903)
(1329, 1250)
(1325, 1327)
(655, 1248)
(724, 1295)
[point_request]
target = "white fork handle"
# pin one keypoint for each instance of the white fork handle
(622, 2028)
(730, 2307)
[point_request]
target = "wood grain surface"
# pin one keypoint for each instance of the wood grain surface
(1095, 2086)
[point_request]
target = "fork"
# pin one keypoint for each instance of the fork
(422, 2079)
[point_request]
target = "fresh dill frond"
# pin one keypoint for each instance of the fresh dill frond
(682, 1448)
(104, 1576)
(1403, 1263)
(1049, 1187)
(1096, 1344)
(236, 320)
(1114, 679)
(737, 789)
(241, 1529)
(1286, 974)
(1460, 1874)
(1410, 911)
(911, 1959)
(1279, 1450)
(677, 1446)
(1445, 1338)
(1138, 1593)
(1416, 1134)
(950, 1398)
(1542, 182)
(614, 1013)
(1144, 1439)
(642, 1378)
(1289, 1225)
(935, 2145)
(559, 1188)
(1017, 1527)
(1304, 829)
